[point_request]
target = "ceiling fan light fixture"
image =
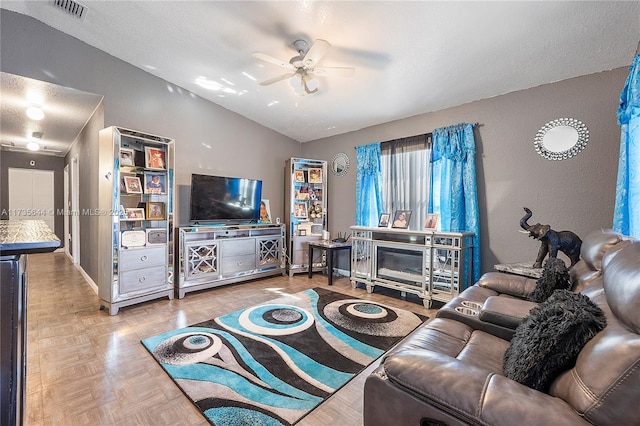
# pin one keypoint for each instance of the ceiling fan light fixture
(35, 113)
(311, 85)
(296, 83)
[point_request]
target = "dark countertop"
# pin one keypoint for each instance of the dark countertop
(26, 236)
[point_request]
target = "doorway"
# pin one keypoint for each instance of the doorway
(31, 195)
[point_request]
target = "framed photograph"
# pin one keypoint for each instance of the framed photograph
(299, 175)
(132, 184)
(136, 213)
(300, 210)
(384, 220)
(127, 157)
(156, 236)
(154, 158)
(303, 232)
(155, 210)
(265, 211)
(155, 183)
(432, 221)
(315, 175)
(401, 219)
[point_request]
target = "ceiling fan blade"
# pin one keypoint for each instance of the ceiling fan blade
(318, 49)
(277, 79)
(339, 71)
(272, 60)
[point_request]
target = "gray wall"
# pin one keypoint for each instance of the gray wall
(576, 194)
(138, 100)
(43, 162)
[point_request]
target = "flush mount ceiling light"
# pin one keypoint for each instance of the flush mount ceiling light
(35, 113)
(35, 138)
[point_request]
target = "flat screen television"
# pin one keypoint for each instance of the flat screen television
(224, 199)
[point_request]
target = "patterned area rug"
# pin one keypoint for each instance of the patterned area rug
(273, 363)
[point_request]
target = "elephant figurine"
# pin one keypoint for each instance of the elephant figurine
(552, 241)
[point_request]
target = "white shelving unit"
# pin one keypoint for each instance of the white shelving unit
(135, 217)
(432, 265)
(306, 210)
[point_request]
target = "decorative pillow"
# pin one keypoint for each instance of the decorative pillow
(555, 276)
(548, 341)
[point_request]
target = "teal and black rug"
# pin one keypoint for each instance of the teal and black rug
(273, 363)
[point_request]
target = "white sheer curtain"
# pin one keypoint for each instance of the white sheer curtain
(405, 177)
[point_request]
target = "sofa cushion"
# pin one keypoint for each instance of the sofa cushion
(550, 338)
(555, 276)
(504, 283)
(622, 284)
(596, 244)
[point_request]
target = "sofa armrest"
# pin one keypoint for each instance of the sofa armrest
(505, 311)
(513, 285)
(472, 394)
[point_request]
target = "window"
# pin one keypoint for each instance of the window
(406, 175)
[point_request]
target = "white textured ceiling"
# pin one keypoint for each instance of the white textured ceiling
(66, 113)
(411, 57)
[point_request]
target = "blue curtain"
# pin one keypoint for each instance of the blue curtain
(626, 214)
(454, 192)
(369, 203)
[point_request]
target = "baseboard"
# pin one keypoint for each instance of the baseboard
(87, 278)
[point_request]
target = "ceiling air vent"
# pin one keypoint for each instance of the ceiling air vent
(71, 7)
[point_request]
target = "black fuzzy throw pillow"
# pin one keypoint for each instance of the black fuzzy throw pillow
(548, 341)
(555, 276)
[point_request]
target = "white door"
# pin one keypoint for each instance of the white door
(31, 195)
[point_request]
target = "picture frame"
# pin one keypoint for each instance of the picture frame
(431, 222)
(135, 213)
(154, 210)
(315, 175)
(132, 184)
(384, 220)
(156, 236)
(127, 157)
(155, 183)
(303, 232)
(300, 210)
(265, 211)
(299, 176)
(154, 158)
(401, 219)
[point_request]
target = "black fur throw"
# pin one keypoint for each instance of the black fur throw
(548, 341)
(555, 276)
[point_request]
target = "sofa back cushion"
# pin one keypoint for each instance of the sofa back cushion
(603, 386)
(594, 247)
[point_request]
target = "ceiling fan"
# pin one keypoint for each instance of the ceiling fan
(302, 68)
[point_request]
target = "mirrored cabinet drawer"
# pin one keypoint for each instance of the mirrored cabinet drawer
(142, 258)
(141, 279)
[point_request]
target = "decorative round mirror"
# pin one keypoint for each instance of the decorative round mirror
(561, 139)
(340, 164)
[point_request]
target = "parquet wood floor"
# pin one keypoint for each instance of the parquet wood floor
(85, 367)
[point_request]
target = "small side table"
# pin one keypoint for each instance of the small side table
(521, 268)
(330, 248)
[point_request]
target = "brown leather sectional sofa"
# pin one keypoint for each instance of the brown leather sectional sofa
(450, 370)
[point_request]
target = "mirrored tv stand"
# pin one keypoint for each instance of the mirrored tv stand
(215, 255)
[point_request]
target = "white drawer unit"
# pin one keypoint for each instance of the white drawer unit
(212, 256)
(238, 247)
(238, 264)
(142, 258)
(142, 279)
